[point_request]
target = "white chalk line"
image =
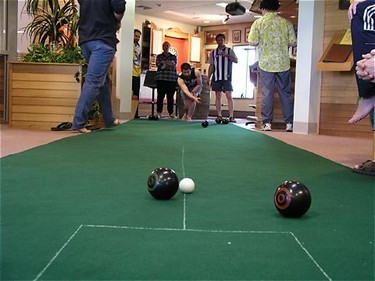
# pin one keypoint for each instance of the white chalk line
(311, 257)
(183, 176)
(181, 230)
(57, 253)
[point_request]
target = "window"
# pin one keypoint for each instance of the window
(242, 87)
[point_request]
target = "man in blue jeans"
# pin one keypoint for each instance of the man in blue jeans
(98, 24)
(273, 35)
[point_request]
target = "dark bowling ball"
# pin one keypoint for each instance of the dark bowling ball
(225, 121)
(163, 183)
(292, 199)
(218, 120)
(204, 124)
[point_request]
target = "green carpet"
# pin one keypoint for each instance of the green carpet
(79, 209)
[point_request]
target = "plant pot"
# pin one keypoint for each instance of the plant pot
(42, 95)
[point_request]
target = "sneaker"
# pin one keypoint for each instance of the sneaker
(289, 127)
(267, 127)
(172, 116)
(232, 120)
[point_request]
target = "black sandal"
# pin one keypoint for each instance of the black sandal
(366, 168)
(232, 120)
(64, 126)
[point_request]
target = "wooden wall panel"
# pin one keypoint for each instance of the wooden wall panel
(2, 87)
(339, 92)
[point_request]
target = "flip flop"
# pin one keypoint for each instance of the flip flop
(93, 127)
(64, 126)
(366, 168)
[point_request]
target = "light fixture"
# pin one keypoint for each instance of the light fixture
(235, 9)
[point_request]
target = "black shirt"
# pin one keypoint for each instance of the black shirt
(97, 20)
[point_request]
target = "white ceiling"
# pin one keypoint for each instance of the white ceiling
(193, 12)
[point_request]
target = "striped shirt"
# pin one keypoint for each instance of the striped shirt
(222, 65)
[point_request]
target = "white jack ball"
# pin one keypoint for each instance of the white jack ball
(187, 185)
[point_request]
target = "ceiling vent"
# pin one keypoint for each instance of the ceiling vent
(235, 9)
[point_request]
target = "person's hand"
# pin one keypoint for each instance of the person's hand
(353, 8)
(197, 100)
(365, 68)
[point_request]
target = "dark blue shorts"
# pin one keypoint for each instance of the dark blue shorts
(222, 85)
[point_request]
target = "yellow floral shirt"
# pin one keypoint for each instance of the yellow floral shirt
(272, 34)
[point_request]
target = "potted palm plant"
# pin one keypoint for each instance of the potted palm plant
(44, 86)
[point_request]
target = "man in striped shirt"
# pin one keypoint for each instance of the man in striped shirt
(220, 69)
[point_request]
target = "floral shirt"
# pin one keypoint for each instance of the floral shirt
(272, 34)
(136, 60)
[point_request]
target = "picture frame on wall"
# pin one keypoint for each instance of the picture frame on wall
(210, 35)
(247, 31)
(236, 36)
(207, 55)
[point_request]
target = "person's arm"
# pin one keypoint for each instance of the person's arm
(209, 74)
(253, 36)
(119, 7)
(186, 91)
(231, 56)
(353, 8)
(210, 68)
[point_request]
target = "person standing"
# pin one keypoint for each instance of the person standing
(362, 16)
(220, 69)
(190, 83)
(137, 70)
(273, 35)
(166, 78)
(98, 23)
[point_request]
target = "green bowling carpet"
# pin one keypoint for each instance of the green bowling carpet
(79, 209)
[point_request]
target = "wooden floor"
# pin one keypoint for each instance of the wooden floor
(347, 151)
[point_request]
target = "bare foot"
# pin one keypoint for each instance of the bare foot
(364, 108)
(83, 131)
(116, 122)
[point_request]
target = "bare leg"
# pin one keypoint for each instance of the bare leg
(189, 108)
(364, 108)
(218, 103)
(230, 102)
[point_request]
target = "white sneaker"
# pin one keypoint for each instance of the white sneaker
(267, 127)
(289, 127)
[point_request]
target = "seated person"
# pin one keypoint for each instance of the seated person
(365, 70)
(190, 83)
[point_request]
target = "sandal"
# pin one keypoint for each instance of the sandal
(64, 126)
(366, 168)
(232, 120)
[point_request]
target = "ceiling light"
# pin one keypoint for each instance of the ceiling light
(222, 4)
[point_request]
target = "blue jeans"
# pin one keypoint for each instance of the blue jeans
(284, 86)
(99, 57)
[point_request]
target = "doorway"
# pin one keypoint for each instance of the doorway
(242, 87)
